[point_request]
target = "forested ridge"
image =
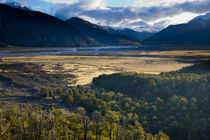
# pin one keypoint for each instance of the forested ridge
(177, 102)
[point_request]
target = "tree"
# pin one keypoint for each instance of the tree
(85, 120)
(111, 119)
(98, 122)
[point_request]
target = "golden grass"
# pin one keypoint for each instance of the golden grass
(85, 68)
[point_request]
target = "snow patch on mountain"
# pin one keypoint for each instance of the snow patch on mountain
(18, 5)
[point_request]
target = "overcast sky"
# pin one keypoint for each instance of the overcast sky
(135, 14)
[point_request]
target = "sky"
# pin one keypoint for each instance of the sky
(141, 15)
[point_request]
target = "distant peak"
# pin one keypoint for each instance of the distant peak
(76, 19)
(18, 6)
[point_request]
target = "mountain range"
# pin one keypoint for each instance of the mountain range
(26, 28)
(23, 27)
(99, 33)
(197, 31)
(131, 34)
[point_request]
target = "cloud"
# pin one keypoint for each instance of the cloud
(97, 10)
(150, 3)
(83, 4)
(61, 1)
(151, 12)
(92, 4)
(65, 11)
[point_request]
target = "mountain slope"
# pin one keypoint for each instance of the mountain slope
(201, 18)
(131, 34)
(99, 33)
(196, 31)
(35, 29)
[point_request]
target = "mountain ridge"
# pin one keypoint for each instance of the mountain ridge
(35, 29)
(23, 28)
(100, 33)
(194, 32)
(132, 34)
(18, 6)
(200, 18)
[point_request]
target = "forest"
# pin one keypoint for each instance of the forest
(177, 103)
(32, 122)
(122, 106)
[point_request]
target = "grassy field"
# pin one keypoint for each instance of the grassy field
(25, 75)
(87, 67)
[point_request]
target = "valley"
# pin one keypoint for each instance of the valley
(91, 70)
(80, 69)
(85, 67)
(63, 84)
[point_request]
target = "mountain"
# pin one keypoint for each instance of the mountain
(18, 5)
(131, 34)
(201, 18)
(19, 27)
(99, 33)
(197, 31)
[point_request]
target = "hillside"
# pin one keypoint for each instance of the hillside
(176, 103)
(196, 31)
(34, 29)
(99, 33)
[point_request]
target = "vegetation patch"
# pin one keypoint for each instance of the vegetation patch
(119, 106)
(32, 122)
(175, 102)
(30, 76)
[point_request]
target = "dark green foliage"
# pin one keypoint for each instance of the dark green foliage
(120, 110)
(81, 96)
(201, 68)
(31, 122)
(148, 106)
(150, 86)
(175, 102)
(47, 92)
(58, 91)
